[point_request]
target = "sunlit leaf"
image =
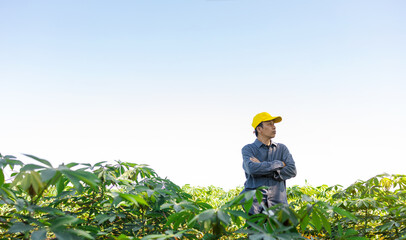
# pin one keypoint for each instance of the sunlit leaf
(386, 183)
(134, 199)
(344, 213)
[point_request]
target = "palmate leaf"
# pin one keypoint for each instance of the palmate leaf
(167, 235)
(344, 213)
(351, 234)
(29, 182)
(51, 210)
(101, 218)
(123, 237)
(135, 199)
(316, 220)
(256, 227)
(178, 218)
(79, 175)
(63, 221)
(10, 162)
(224, 217)
(258, 195)
(60, 184)
(48, 174)
(326, 223)
(238, 213)
(39, 235)
(72, 234)
(306, 198)
(304, 222)
(248, 200)
(30, 166)
(7, 192)
(82, 233)
(20, 227)
(46, 162)
(86, 177)
(166, 206)
(236, 201)
(207, 215)
(177, 207)
(75, 181)
(71, 165)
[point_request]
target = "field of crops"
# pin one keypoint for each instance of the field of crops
(124, 200)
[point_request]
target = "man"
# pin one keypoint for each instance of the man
(267, 163)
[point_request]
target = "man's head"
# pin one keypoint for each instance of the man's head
(263, 123)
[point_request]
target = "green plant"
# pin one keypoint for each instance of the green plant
(130, 201)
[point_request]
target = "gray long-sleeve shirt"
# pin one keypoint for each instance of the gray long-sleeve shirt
(270, 171)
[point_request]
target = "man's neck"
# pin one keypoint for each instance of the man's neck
(265, 140)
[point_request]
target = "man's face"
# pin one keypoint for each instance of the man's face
(268, 129)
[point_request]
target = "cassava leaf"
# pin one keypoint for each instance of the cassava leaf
(46, 162)
(39, 235)
(30, 166)
(20, 227)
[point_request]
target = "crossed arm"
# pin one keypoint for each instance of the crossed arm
(254, 159)
(280, 170)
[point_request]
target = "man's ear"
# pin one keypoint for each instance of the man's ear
(258, 128)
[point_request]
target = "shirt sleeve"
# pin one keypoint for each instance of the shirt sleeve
(289, 171)
(258, 169)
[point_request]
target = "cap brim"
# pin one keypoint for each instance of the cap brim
(277, 119)
(274, 119)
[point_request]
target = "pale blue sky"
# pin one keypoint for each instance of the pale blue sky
(175, 84)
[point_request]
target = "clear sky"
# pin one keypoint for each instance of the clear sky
(175, 84)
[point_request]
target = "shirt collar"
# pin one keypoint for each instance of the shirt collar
(259, 143)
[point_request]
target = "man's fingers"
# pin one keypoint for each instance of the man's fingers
(254, 159)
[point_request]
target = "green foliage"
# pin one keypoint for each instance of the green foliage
(130, 201)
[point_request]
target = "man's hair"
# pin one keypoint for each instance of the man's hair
(259, 125)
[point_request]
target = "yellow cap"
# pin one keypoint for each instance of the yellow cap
(263, 117)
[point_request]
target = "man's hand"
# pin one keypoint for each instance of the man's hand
(254, 159)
